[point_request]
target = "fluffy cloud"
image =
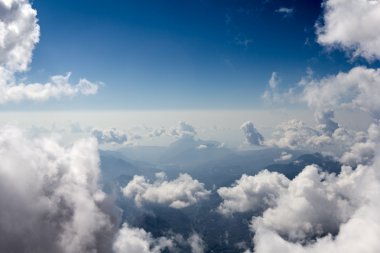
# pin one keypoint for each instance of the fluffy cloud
(58, 87)
(363, 152)
(178, 193)
(19, 33)
(252, 136)
(112, 136)
(196, 243)
(285, 156)
(295, 134)
(252, 193)
(313, 205)
(357, 88)
(50, 200)
(321, 212)
(352, 25)
(340, 208)
(182, 129)
(137, 240)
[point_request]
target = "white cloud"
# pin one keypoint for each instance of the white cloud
(50, 200)
(182, 129)
(196, 243)
(285, 156)
(252, 193)
(313, 205)
(295, 134)
(137, 240)
(178, 193)
(357, 88)
(347, 205)
(286, 12)
(321, 212)
(363, 152)
(252, 136)
(57, 87)
(273, 93)
(112, 136)
(19, 33)
(352, 25)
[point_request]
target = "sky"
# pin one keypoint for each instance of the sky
(224, 86)
(178, 55)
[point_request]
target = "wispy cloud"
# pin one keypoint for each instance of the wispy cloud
(285, 12)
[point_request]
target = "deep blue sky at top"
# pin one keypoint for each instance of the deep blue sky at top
(170, 54)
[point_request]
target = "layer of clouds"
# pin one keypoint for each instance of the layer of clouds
(252, 136)
(352, 25)
(50, 200)
(19, 33)
(252, 193)
(178, 193)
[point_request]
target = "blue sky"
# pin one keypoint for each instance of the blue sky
(177, 54)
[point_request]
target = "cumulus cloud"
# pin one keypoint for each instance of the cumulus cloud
(50, 200)
(252, 136)
(346, 206)
(58, 87)
(351, 25)
(314, 204)
(182, 129)
(19, 33)
(112, 136)
(137, 240)
(295, 134)
(178, 193)
(321, 212)
(357, 88)
(363, 152)
(252, 193)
